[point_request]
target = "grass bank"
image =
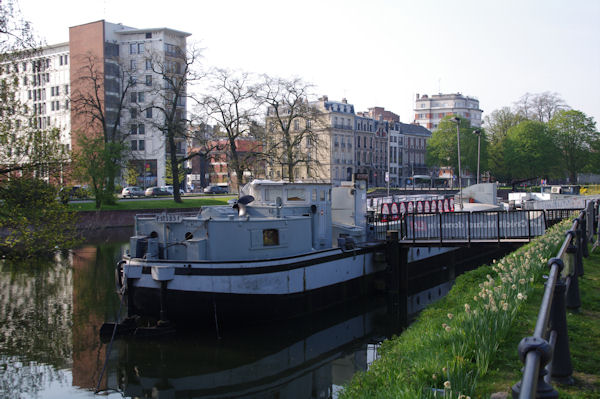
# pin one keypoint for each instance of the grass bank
(166, 203)
(465, 345)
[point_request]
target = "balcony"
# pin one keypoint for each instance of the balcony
(342, 127)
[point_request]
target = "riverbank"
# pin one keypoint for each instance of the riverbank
(466, 344)
(122, 214)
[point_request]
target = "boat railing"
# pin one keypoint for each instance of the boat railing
(465, 227)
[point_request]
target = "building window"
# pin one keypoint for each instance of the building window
(140, 48)
(141, 97)
(66, 89)
(149, 35)
(148, 80)
(133, 145)
(132, 65)
(133, 113)
(132, 48)
(141, 145)
(141, 128)
(296, 125)
(133, 97)
(148, 112)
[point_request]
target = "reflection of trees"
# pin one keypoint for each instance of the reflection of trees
(35, 329)
(50, 314)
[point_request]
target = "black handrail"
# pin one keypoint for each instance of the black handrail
(546, 355)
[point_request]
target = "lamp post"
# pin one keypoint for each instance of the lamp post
(456, 120)
(478, 133)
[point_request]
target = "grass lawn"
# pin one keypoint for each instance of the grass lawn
(166, 203)
(584, 342)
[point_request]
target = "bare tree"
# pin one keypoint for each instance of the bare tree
(170, 95)
(292, 125)
(98, 99)
(232, 105)
(540, 106)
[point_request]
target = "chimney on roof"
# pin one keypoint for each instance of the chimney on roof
(324, 98)
(344, 101)
(417, 96)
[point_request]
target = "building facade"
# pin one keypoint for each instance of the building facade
(117, 66)
(371, 143)
(430, 110)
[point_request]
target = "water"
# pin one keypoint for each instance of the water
(50, 345)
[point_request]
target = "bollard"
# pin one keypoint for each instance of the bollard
(561, 367)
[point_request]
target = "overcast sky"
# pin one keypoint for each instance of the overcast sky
(376, 52)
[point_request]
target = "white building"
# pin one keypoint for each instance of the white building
(49, 78)
(430, 110)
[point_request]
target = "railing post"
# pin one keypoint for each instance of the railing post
(498, 220)
(580, 244)
(529, 224)
(441, 234)
(529, 348)
(573, 297)
(469, 227)
(561, 369)
(584, 236)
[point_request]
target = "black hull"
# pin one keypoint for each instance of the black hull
(201, 308)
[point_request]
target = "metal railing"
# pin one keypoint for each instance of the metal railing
(461, 227)
(546, 355)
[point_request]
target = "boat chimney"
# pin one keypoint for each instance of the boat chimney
(241, 203)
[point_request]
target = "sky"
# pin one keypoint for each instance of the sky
(377, 52)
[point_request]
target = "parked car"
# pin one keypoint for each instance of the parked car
(156, 192)
(169, 189)
(132, 191)
(215, 190)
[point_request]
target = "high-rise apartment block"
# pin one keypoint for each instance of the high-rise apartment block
(114, 67)
(430, 110)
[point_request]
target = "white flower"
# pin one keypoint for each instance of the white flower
(447, 385)
(520, 296)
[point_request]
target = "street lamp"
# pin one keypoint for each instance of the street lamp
(478, 133)
(456, 120)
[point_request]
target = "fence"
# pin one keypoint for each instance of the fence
(546, 354)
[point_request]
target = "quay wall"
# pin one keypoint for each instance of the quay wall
(94, 220)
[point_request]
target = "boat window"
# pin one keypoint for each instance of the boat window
(271, 193)
(314, 194)
(296, 194)
(322, 195)
(270, 237)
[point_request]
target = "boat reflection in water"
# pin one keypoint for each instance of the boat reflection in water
(307, 358)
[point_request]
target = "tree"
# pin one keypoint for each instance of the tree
(232, 105)
(32, 220)
(529, 152)
(292, 126)
(442, 147)
(131, 174)
(169, 98)
(25, 148)
(540, 107)
(94, 162)
(575, 134)
(98, 100)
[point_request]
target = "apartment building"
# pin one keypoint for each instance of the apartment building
(359, 142)
(107, 62)
(130, 63)
(430, 110)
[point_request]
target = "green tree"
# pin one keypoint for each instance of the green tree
(529, 152)
(94, 164)
(169, 174)
(32, 220)
(131, 174)
(442, 147)
(575, 134)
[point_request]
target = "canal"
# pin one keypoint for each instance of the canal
(50, 345)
